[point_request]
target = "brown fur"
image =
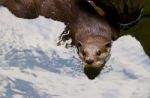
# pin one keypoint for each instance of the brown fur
(85, 26)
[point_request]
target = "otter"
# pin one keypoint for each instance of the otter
(91, 33)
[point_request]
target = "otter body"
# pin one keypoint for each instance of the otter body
(60, 10)
(90, 33)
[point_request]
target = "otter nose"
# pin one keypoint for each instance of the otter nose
(90, 61)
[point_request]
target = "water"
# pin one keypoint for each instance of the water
(33, 66)
(142, 31)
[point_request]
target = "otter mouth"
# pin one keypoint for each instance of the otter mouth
(92, 71)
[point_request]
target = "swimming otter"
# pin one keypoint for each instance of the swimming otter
(90, 32)
(92, 35)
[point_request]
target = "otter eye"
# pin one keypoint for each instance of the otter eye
(83, 52)
(108, 45)
(98, 53)
(79, 44)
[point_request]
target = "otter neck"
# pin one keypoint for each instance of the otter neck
(91, 25)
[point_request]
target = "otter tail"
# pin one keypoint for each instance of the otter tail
(125, 13)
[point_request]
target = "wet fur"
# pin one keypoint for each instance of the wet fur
(83, 23)
(79, 16)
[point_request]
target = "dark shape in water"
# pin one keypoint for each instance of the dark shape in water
(127, 13)
(93, 72)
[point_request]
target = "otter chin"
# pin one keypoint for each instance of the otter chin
(93, 52)
(92, 72)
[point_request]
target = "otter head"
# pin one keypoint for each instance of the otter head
(93, 53)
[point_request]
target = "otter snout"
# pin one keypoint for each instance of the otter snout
(91, 69)
(89, 61)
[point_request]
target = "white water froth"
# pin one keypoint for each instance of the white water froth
(33, 66)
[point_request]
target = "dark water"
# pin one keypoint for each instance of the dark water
(142, 30)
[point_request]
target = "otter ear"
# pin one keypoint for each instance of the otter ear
(79, 44)
(108, 44)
